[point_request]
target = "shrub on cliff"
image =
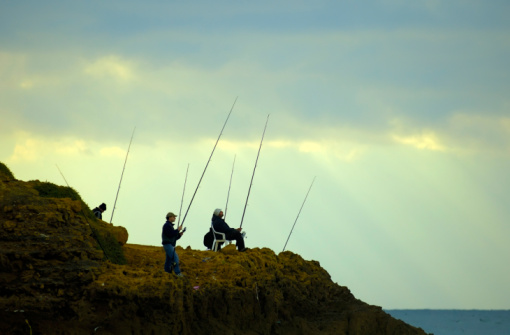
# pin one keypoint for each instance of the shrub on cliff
(4, 171)
(50, 190)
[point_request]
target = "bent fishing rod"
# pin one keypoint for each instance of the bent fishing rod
(230, 184)
(122, 174)
(298, 213)
(206, 165)
(182, 198)
(253, 174)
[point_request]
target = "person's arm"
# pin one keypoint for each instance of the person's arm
(230, 230)
(169, 231)
(180, 232)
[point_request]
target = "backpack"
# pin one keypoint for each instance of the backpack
(208, 239)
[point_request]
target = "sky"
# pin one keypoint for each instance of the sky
(398, 111)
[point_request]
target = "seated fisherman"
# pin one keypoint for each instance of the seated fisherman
(221, 226)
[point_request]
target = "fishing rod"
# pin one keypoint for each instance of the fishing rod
(251, 182)
(298, 214)
(83, 213)
(62, 176)
(182, 198)
(122, 174)
(230, 184)
(193, 197)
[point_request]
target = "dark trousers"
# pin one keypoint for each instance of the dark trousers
(236, 235)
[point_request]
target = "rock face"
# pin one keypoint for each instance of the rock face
(54, 279)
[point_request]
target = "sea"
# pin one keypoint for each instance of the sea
(456, 322)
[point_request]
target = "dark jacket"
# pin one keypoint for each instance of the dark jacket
(170, 235)
(97, 212)
(221, 226)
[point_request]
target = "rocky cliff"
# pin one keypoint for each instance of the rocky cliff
(64, 272)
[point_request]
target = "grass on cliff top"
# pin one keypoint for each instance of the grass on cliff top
(4, 170)
(50, 190)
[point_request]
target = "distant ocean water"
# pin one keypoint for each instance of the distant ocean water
(454, 322)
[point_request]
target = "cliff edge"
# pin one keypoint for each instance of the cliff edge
(64, 272)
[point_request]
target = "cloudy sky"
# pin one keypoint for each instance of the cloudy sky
(399, 109)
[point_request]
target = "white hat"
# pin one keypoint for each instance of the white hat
(217, 211)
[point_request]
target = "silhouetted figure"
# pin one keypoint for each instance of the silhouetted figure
(221, 226)
(170, 237)
(98, 211)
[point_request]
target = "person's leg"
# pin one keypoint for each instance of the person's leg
(239, 241)
(238, 237)
(169, 251)
(177, 269)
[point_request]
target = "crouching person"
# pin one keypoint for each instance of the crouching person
(170, 237)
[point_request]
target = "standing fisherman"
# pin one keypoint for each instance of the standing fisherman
(170, 237)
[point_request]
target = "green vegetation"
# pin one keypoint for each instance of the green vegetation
(108, 243)
(105, 238)
(4, 170)
(50, 190)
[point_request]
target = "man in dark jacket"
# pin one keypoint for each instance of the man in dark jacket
(98, 211)
(170, 237)
(230, 233)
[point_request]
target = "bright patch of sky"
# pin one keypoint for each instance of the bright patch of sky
(400, 109)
